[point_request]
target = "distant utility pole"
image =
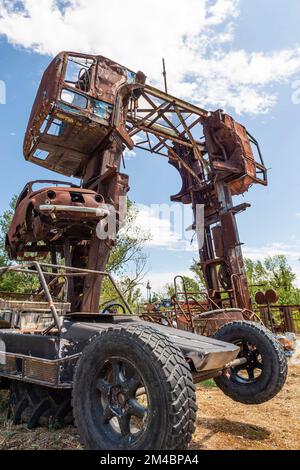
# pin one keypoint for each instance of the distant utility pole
(149, 288)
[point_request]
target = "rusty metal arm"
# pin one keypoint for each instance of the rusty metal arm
(188, 107)
(155, 120)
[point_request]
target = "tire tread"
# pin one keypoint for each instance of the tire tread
(176, 375)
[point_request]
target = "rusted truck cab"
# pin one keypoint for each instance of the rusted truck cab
(81, 100)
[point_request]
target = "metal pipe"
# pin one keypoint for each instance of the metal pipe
(169, 98)
(120, 294)
(22, 268)
(217, 312)
(48, 295)
(237, 362)
(97, 212)
(96, 273)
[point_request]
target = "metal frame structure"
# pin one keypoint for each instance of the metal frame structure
(46, 278)
(98, 113)
(213, 154)
(197, 312)
(68, 337)
(168, 126)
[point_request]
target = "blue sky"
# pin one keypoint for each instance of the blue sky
(241, 55)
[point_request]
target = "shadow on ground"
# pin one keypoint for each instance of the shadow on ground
(233, 428)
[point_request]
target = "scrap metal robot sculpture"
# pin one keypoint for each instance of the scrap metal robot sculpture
(125, 393)
(87, 111)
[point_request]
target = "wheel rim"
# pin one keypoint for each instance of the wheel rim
(252, 371)
(123, 402)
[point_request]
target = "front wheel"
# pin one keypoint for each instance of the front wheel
(264, 372)
(133, 390)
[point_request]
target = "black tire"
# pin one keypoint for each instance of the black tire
(120, 362)
(110, 308)
(265, 373)
(39, 406)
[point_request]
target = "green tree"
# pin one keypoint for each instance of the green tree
(192, 285)
(282, 278)
(197, 271)
(12, 282)
(257, 276)
(5, 221)
(128, 262)
(273, 273)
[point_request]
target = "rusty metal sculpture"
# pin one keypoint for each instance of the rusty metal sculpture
(88, 109)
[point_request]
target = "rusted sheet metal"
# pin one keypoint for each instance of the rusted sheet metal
(50, 215)
(272, 296)
(209, 324)
(229, 147)
(260, 298)
(80, 101)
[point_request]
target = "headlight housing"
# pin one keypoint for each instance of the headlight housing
(51, 195)
(99, 198)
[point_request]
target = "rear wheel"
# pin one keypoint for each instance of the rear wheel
(133, 389)
(39, 406)
(264, 372)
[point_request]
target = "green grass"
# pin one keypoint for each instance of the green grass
(3, 401)
(208, 384)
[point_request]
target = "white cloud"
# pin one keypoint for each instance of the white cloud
(277, 248)
(221, 9)
(190, 34)
(167, 225)
(128, 154)
(159, 279)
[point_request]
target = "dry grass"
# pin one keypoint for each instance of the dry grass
(221, 423)
(224, 424)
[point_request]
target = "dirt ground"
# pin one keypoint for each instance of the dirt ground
(221, 423)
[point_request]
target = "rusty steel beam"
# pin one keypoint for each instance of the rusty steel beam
(184, 105)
